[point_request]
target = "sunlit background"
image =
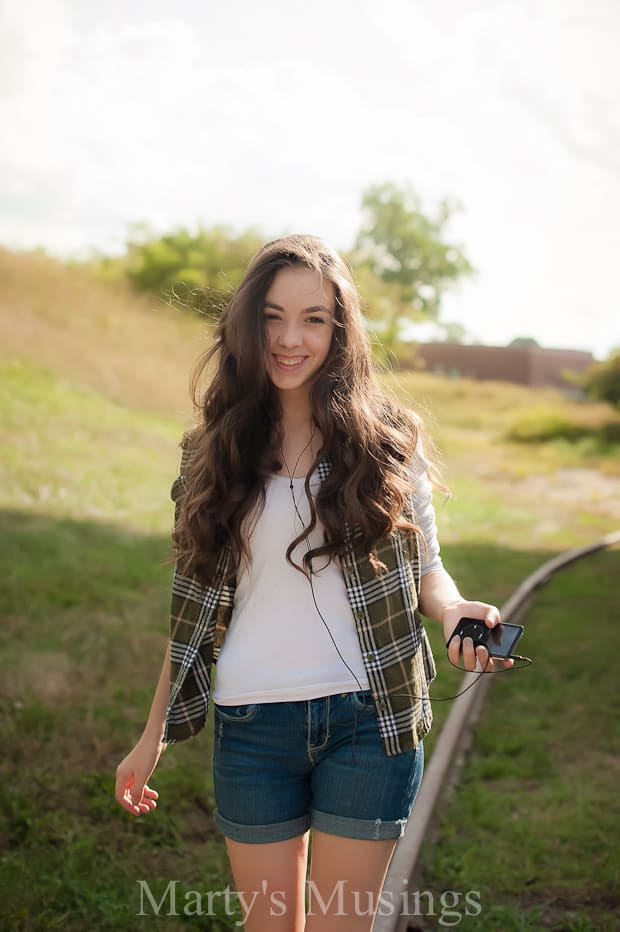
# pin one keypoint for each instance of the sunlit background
(279, 115)
(238, 121)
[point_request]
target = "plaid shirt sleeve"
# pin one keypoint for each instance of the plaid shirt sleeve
(197, 611)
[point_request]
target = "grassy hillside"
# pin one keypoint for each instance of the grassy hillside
(136, 352)
(93, 384)
(131, 349)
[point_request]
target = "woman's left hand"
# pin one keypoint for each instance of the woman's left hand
(451, 615)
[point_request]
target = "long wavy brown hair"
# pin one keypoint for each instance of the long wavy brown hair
(368, 436)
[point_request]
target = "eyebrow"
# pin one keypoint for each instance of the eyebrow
(308, 310)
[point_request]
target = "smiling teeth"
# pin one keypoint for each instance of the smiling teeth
(289, 362)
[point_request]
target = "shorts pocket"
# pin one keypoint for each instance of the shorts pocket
(362, 700)
(236, 713)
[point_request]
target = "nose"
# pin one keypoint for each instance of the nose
(289, 334)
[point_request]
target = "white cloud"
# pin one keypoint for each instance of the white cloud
(258, 115)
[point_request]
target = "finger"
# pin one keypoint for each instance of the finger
(492, 617)
(122, 792)
(454, 650)
(146, 802)
(484, 660)
(469, 654)
(509, 662)
(150, 792)
(128, 804)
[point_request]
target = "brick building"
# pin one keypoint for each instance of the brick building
(526, 365)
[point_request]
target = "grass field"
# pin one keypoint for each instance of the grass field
(93, 384)
(534, 822)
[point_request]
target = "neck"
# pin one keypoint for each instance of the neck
(296, 412)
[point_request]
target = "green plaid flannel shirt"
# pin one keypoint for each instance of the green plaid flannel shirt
(395, 649)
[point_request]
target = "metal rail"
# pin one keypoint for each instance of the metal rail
(454, 738)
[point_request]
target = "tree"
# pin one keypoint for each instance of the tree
(407, 251)
(453, 331)
(199, 269)
(602, 380)
(524, 341)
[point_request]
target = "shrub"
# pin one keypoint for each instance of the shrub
(539, 424)
(543, 424)
(610, 431)
(602, 380)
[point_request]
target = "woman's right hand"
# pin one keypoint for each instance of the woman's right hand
(132, 791)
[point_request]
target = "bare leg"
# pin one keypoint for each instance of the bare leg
(272, 879)
(346, 879)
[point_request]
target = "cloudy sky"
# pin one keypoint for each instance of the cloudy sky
(278, 114)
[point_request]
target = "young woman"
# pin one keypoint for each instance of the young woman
(306, 549)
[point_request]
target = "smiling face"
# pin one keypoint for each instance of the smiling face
(299, 310)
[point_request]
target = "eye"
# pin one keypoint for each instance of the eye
(316, 320)
(270, 316)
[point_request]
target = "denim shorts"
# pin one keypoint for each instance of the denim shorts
(280, 768)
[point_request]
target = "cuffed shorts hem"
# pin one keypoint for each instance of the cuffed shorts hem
(261, 834)
(364, 829)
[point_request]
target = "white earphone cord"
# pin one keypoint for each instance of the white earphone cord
(308, 548)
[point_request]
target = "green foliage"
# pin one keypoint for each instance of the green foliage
(379, 297)
(602, 380)
(401, 259)
(453, 331)
(610, 431)
(198, 269)
(543, 423)
(407, 251)
(524, 341)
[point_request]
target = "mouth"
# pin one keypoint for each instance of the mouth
(289, 363)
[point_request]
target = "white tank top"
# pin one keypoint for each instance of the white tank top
(277, 648)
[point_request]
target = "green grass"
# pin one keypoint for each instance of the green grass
(69, 451)
(512, 430)
(534, 822)
(84, 532)
(83, 638)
